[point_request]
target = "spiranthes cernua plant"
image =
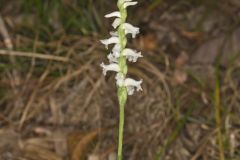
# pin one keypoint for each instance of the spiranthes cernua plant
(118, 58)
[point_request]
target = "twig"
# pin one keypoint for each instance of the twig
(7, 40)
(32, 98)
(6, 37)
(34, 55)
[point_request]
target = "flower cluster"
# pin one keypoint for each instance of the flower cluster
(120, 54)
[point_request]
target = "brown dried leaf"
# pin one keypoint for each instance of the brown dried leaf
(226, 47)
(179, 77)
(208, 52)
(147, 42)
(79, 144)
(192, 35)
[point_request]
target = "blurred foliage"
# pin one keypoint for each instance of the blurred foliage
(74, 16)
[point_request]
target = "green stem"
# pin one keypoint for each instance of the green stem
(122, 98)
(122, 91)
(217, 104)
(120, 132)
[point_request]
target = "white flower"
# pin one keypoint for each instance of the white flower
(131, 55)
(130, 29)
(132, 84)
(111, 40)
(116, 48)
(116, 23)
(111, 67)
(113, 57)
(113, 14)
(126, 4)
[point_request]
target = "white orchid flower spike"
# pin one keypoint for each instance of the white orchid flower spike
(118, 58)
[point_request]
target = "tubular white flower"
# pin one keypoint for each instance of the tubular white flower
(131, 29)
(116, 48)
(113, 57)
(110, 40)
(132, 85)
(113, 14)
(126, 4)
(116, 23)
(110, 67)
(131, 54)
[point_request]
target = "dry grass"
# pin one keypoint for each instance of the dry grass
(55, 104)
(43, 109)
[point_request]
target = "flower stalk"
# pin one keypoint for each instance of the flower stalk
(118, 60)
